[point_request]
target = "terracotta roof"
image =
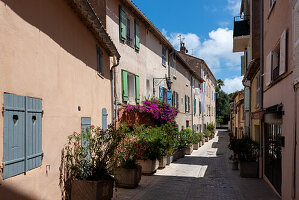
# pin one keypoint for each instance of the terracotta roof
(84, 10)
(193, 57)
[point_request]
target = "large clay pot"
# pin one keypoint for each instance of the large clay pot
(162, 162)
(189, 150)
(200, 143)
(92, 190)
(169, 159)
(127, 178)
(149, 167)
(195, 146)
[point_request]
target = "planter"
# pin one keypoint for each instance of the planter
(92, 190)
(203, 141)
(189, 150)
(200, 143)
(195, 146)
(235, 165)
(149, 167)
(182, 153)
(249, 169)
(176, 155)
(169, 159)
(127, 178)
(162, 162)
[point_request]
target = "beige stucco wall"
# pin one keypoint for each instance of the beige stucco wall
(48, 53)
(182, 85)
(147, 63)
(255, 131)
(280, 19)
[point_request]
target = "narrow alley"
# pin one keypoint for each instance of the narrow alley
(206, 174)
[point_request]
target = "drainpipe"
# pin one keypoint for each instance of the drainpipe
(295, 143)
(192, 103)
(262, 84)
(114, 93)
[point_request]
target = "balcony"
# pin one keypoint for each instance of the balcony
(241, 33)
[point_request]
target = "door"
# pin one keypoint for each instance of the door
(273, 155)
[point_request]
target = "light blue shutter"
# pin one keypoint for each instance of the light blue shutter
(161, 93)
(169, 96)
(13, 135)
(104, 119)
(33, 133)
(247, 99)
(85, 123)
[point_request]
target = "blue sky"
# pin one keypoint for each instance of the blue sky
(207, 28)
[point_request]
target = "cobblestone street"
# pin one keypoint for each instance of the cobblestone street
(206, 174)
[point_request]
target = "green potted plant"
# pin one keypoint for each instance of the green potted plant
(207, 134)
(170, 132)
(127, 173)
(246, 151)
(211, 127)
(154, 141)
(196, 140)
(89, 162)
(186, 136)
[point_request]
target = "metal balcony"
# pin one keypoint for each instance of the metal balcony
(241, 33)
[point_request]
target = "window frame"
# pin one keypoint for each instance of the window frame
(164, 57)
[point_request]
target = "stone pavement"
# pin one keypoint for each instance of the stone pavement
(206, 174)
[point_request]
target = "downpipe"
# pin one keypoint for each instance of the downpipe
(295, 143)
(114, 93)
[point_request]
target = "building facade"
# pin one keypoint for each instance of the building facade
(267, 34)
(56, 64)
(237, 115)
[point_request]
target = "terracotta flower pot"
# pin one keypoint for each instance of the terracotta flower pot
(200, 143)
(195, 146)
(127, 178)
(162, 162)
(92, 190)
(176, 155)
(149, 167)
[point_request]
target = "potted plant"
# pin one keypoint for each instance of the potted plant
(89, 162)
(170, 131)
(196, 140)
(154, 140)
(128, 173)
(207, 135)
(211, 127)
(186, 140)
(246, 151)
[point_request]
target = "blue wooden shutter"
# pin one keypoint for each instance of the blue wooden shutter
(33, 133)
(85, 123)
(161, 93)
(104, 119)
(169, 96)
(13, 135)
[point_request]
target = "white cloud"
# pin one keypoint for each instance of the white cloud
(216, 50)
(234, 7)
(232, 85)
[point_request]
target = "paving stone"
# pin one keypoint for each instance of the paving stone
(206, 174)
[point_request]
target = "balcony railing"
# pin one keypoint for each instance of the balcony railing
(241, 26)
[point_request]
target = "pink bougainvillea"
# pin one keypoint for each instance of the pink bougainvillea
(161, 112)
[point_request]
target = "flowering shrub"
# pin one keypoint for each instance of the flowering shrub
(89, 155)
(159, 111)
(129, 150)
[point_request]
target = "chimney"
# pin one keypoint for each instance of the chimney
(183, 48)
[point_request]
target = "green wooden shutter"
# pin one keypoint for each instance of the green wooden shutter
(122, 24)
(137, 79)
(104, 119)
(199, 107)
(125, 90)
(194, 104)
(137, 36)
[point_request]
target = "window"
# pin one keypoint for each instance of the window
(187, 124)
(129, 40)
(194, 106)
(130, 87)
(276, 61)
(163, 55)
(174, 67)
(175, 101)
(164, 95)
(187, 103)
(187, 78)
(137, 36)
(22, 146)
(99, 61)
